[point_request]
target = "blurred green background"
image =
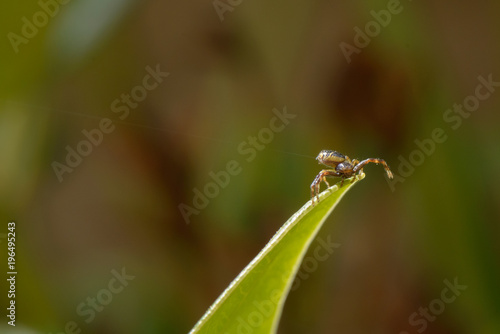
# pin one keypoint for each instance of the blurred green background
(64, 65)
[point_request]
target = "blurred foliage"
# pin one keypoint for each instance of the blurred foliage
(120, 206)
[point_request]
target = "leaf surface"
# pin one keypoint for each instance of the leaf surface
(254, 301)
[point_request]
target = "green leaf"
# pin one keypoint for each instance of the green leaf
(253, 302)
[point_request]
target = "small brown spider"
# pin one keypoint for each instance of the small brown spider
(342, 167)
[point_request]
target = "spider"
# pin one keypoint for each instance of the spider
(342, 166)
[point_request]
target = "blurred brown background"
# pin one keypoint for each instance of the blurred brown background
(119, 207)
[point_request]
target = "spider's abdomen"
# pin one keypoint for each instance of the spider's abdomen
(330, 158)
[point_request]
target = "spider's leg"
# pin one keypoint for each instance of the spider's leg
(360, 165)
(321, 177)
(354, 175)
(315, 186)
(324, 180)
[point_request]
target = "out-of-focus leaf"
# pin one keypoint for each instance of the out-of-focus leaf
(83, 25)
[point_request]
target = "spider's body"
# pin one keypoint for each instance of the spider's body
(342, 167)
